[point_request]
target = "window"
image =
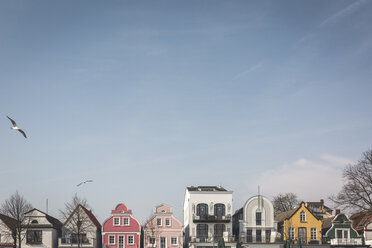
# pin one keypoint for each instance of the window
(126, 221)
(249, 236)
(258, 218)
(34, 222)
(162, 242)
(130, 239)
(302, 216)
(202, 231)
(291, 233)
(302, 234)
(313, 233)
(218, 230)
(116, 221)
(111, 240)
(151, 240)
(342, 233)
(258, 236)
(121, 241)
(174, 240)
(219, 210)
(158, 221)
(202, 210)
(168, 222)
(34, 237)
(267, 236)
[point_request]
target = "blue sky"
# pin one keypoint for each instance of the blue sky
(147, 98)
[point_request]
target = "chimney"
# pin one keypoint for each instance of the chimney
(338, 211)
(322, 201)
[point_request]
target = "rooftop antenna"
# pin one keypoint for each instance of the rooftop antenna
(47, 205)
(258, 197)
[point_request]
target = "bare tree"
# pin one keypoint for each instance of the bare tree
(78, 222)
(356, 193)
(15, 207)
(285, 202)
(151, 230)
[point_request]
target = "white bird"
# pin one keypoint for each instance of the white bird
(87, 181)
(15, 127)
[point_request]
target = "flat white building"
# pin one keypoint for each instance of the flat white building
(207, 215)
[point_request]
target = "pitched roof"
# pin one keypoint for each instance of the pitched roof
(286, 215)
(9, 221)
(327, 222)
(359, 220)
(55, 222)
(89, 214)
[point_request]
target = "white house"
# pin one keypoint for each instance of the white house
(81, 227)
(254, 223)
(207, 215)
(40, 230)
(7, 231)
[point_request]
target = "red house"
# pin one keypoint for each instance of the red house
(121, 229)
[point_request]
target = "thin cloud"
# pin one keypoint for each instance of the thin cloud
(345, 12)
(249, 70)
(311, 180)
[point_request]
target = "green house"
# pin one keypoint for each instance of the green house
(341, 233)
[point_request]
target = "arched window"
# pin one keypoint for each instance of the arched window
(34, 222)
(218, 230)
(202, 210)
(302, 216)
(219, 210)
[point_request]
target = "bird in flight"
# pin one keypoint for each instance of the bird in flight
(87, 181)
(15, 127)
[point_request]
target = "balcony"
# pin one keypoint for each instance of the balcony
(211, 218)
(211, 239)
(346, 241)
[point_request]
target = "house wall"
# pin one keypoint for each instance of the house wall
(109, 229)
(5, 234)
(311, 222)
(174, 230)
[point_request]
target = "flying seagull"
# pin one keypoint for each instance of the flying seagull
(87, 181)
(15, 127)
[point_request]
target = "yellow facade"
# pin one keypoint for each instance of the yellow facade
(303, 225)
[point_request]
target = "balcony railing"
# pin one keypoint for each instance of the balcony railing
(211, 239)
(212, 218)
(346, 241)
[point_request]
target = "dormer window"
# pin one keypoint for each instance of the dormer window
(303, 216)
(34, 222)
(116, 221)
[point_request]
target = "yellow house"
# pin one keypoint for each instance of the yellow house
(299, 224)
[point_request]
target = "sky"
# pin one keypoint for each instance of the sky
(146, 98)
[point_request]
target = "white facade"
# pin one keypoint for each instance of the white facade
(368, 234)
(6, 238)
(41, 230)
(257, 224)
(207, 216)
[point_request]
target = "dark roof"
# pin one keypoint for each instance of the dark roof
(327, 222)
(206, 188)
(89, 213)
(9, 221)
(55, 222)
(285, 215)
(359, 220)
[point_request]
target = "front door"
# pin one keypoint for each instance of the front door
(121, 242)
(302, 234)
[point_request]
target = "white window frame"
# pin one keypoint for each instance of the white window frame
(109, 240)
(126, 218)
(165, 242)
(302, 216)
(118, 219)
(128, 237)
(313, 231)
(343, 232)
(291, 230)
(149, 243)
(174, 237)
(161, 222)
(123, 240)
(170, 221)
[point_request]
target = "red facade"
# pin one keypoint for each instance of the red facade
(121, 230)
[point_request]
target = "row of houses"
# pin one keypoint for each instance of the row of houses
(208, 222)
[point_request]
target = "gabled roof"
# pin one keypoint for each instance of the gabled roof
(327, 223)
(55, 222)
(89, 214)
(288, 214)
(9, 221)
